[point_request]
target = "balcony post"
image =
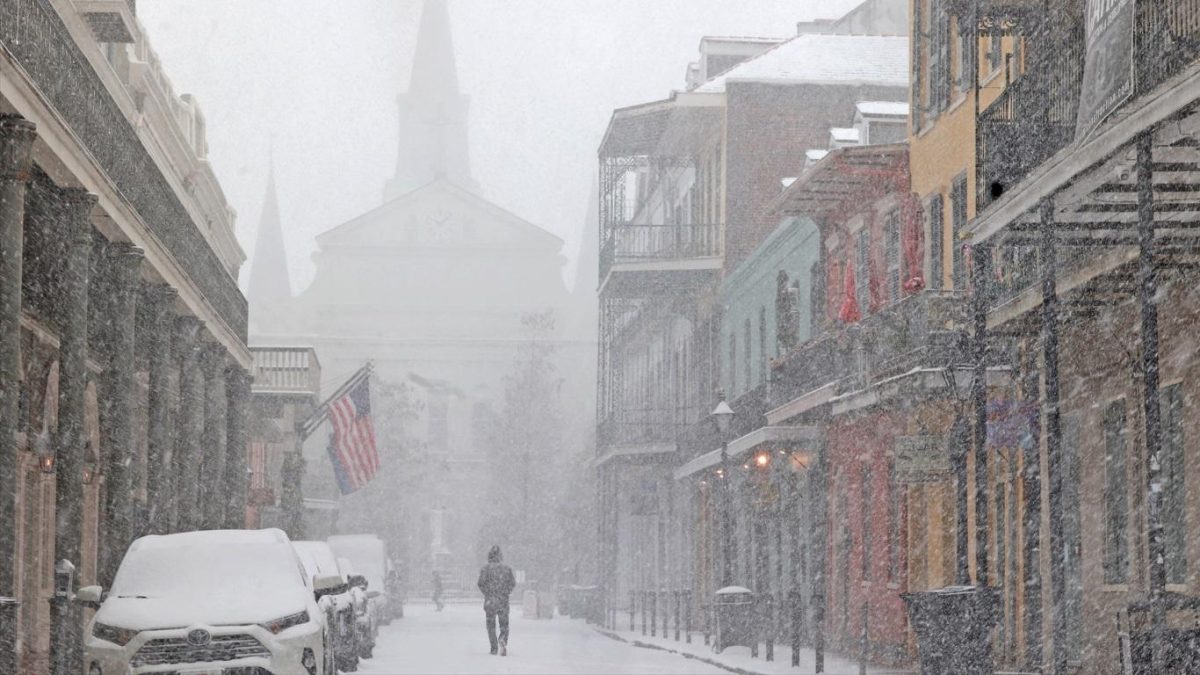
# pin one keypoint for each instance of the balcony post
(1147, 297)
(1051, 426)
(158, 302)
(120, 382)
(190, 427)
(212, 497)
(981, 257)
(237, 392)
(72, 215)
(16, 143)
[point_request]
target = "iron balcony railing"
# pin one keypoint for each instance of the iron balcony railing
(286, 370)
(1035, 117)
(1031, 120)
(924, 330)
(666, 243)
(35, 36)
(1166, 40)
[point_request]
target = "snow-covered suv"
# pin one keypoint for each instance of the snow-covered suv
(225, 601)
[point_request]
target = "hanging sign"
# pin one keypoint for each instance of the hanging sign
(1108, 63)
(921, 459)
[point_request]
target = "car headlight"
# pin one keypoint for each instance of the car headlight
(117, 636)
(279, 625)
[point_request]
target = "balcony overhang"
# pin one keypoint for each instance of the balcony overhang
(638, 453)
(802, 404)
(763, 437)
(110, 20)
(679, 126)
(845, 178)
(648, 278)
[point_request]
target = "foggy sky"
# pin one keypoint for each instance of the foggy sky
(318, 81)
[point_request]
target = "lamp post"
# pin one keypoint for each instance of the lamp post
(723, 416)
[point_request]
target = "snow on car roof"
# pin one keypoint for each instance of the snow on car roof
(825, 59)
(268, 536)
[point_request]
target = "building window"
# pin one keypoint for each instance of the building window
(1116, 500)
(747, 356)
(891, 236)
(762, 344)
(868, 498)
(958, 208)
(863, 270)
(732, 362)
(1174, 504)
(995, 54)
(937, 215)
(895, 495)
(1072, 535)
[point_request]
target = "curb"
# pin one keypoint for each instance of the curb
(646, 645)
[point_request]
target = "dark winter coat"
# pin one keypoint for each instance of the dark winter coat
(496, 582)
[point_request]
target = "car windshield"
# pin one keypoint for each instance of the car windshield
(182, 571)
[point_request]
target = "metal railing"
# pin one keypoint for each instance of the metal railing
(286, 370)
(1166, 40)
(1033, 118)
(35, 36)
(645, 243)
(922, 330)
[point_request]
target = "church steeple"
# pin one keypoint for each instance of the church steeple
(433, 112)
(269, 287)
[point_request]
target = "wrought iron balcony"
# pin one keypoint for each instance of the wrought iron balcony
(921, 331)
(34, 35)
(631, 429)
(286, 370)
(1031, 120)
(1166, 40)
(110, 20)
(652, 250)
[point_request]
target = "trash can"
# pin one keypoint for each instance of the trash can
(735, 618)
(1180, 635)
(953, 627)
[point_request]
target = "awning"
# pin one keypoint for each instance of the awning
(848, 173)
(747, 443)
(675, 127)
(643, 450)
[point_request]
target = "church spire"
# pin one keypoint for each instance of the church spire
(433, 112)
(269, 286)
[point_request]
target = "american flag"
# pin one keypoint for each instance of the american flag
(352, 445)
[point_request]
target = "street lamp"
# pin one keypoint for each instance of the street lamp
(723, 417)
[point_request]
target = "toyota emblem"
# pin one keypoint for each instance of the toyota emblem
(198, 637)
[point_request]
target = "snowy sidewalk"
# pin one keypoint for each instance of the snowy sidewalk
(453, 642)
(738, 660)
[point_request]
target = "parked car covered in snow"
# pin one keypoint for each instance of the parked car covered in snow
(368, 554)
(337, 604)
(221, 601)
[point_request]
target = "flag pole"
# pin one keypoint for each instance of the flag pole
(309, 425)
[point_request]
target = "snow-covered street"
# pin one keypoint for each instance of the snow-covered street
(453, 642)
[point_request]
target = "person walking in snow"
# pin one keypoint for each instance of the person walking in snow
(496, 582)
(437, 591)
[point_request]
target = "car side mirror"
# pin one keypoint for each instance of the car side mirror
(328, 584)
(90, 596)
(358, 581)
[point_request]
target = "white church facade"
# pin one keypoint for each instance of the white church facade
(435, 287)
